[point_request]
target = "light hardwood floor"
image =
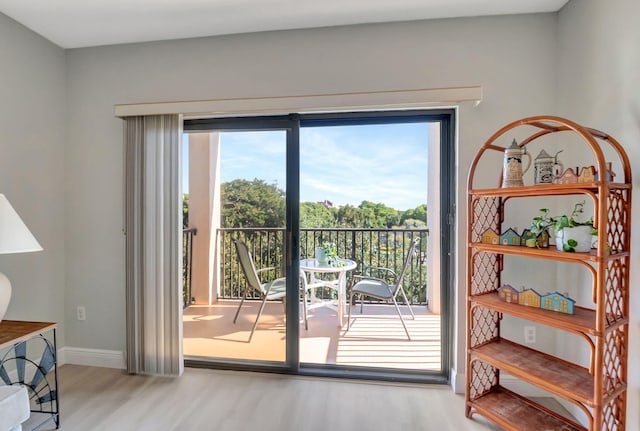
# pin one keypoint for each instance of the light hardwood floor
(107, 399)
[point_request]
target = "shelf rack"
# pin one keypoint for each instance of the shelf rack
(598, 390)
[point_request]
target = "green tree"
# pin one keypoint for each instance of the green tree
(349, 216)
(419, 213)
(252, 204)
(315, 215)
(382, 217)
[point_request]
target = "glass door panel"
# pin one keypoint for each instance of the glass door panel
(236, 201)
(363, 199)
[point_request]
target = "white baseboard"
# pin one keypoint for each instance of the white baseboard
(79, 356)
(457, 381)
(91, 357)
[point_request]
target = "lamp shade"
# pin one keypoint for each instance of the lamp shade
(15, 237)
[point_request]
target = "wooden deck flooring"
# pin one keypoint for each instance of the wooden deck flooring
(376, 337)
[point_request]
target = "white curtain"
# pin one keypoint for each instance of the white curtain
(153, 223)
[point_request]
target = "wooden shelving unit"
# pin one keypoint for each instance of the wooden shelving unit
(598, 390)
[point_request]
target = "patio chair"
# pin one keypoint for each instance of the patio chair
(378, 288)
(269, 291)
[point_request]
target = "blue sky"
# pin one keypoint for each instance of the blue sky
(343, 164)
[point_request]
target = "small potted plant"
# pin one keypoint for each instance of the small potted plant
(326, 253)
(571, 234)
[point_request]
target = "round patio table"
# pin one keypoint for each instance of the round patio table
(312, 268)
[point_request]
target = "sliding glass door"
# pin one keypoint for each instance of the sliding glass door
(354, 187)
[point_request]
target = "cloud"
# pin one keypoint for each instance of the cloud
(344, 164)
(383, 164)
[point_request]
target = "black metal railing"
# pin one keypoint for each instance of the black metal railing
(187, 267)
(367, 247)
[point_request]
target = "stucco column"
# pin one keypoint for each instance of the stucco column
(433, 219)
(204, 214)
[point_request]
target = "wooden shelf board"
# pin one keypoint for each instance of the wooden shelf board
(513, 412)
(550, 253)
(544, 189)
(584, 319)
(562, 378)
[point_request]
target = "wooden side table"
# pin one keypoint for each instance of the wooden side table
(31, 371)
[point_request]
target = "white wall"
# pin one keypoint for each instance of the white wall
(32, 121)
(512, 57)
(598, 68)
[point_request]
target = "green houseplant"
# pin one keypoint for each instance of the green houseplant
(326, 253)
(571, 235)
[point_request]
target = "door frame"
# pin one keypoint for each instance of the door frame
(292, 123)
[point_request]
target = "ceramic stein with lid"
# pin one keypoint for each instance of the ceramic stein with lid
(546, 168)
(512, 171)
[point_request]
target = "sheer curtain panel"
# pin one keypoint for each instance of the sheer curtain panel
(153, 223)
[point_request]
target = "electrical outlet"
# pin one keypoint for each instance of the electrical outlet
(530, 334)
(81, 313)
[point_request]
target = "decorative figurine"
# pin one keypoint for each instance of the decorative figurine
(568, 177)
(510, 237)
(512, 171)
(528, 238)
(529, 298)
(587, 174)
(507, 293)
(610, 174)
(546, 168)
(556, 301)
(490, 236)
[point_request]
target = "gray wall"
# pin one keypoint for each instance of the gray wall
(61, 163)
(61, 147)
(512, 57)
(32, 161)
(598, 67)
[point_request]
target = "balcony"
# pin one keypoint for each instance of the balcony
(376, 337)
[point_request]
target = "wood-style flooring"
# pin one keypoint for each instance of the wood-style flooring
(108, 399)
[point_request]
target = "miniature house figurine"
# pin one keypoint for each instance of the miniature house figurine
(530, 298)
(490, 236)
(527, 235)
(510, 237)
(556, 301)
(543, 239)
(610, 174)
(569, 176)
(530, 239)
(508, 293)
(587, 174)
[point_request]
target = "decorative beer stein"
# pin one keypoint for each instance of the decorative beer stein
(546, 168)
(512, 171)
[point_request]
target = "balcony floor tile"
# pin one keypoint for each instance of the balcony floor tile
(376, 337)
